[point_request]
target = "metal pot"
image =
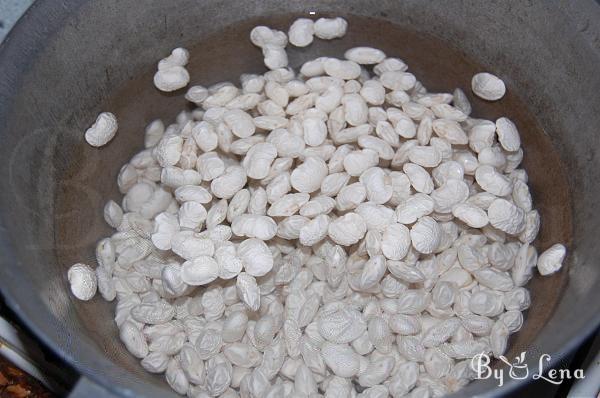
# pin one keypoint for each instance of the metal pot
(62, 64)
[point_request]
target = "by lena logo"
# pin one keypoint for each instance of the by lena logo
(518, 369)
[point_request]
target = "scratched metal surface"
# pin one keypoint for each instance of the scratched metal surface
(10, 12)
(116, 75)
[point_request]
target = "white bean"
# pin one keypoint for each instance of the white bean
(348, 227)
(330, 28)
(102, 131)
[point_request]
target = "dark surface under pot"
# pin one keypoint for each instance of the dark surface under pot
(102, 57)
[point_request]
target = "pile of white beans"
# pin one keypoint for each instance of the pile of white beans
(336, 232)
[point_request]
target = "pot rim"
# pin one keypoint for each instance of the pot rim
(13, 60)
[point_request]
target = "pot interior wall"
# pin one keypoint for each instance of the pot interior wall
(103, 55)
(224, 56)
